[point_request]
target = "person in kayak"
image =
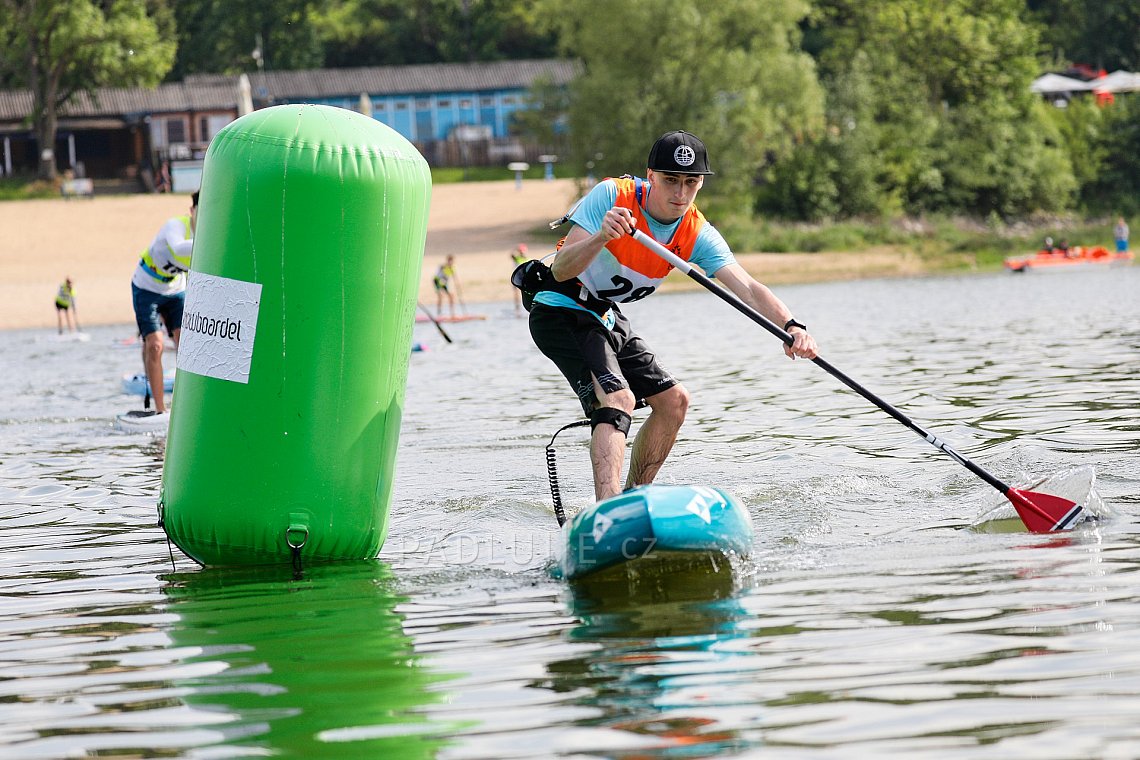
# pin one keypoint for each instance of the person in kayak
(575, 319)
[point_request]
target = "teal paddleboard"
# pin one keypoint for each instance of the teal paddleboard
(647, 521)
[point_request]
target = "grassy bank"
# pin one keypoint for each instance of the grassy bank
(18, 189)
(943, 244)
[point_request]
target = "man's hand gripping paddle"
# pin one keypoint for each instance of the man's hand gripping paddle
(1041, 512)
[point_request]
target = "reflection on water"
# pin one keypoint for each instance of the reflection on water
(317, 667)
(664, 641)
(868, 622)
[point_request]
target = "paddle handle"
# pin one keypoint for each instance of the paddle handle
(783, 335)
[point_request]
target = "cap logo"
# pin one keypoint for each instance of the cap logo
(684, 155)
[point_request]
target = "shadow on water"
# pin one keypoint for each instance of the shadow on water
(309, 668)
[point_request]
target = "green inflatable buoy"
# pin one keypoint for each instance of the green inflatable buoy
(296, 337)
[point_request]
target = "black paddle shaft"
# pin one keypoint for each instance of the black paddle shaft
(783, 335)
(435, 322)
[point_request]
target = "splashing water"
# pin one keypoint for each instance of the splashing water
(1077, 484)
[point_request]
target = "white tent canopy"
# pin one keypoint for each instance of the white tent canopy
(1117, 81)
(1050, 83)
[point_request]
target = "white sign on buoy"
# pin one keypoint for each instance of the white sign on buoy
(219, 323)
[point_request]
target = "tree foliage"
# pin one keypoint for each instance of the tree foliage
(1104, 34)
(58, 48)
(811, 109)
(929, 108)
(1115, 186)
(729, 71)
(393, 32)
(221, 36)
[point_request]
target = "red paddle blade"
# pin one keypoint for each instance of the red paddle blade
(1043, 512)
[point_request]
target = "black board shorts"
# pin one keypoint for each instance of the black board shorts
(583, 349)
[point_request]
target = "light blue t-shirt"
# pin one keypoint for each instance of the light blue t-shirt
(710, 251)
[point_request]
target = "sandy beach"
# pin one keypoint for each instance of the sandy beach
(97, 243)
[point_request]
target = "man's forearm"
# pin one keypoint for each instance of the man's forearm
(574, 257)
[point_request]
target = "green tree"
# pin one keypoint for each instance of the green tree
(391, 32)
(60, 48)
(729, 71)
(1104, 34)
(937, 95)
(1080, 130)
(1116, 187)
(220, 36)
(872, 157)
(999, 157)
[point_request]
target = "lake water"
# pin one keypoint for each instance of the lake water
(882, 613)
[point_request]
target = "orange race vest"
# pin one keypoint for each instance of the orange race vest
(637, 257)
(629, 271)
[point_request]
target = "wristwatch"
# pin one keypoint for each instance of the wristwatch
(793, 323)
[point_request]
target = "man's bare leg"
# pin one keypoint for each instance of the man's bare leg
(607, 444)
(657, 435)
(152, 363)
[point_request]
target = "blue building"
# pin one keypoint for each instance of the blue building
(424, 103)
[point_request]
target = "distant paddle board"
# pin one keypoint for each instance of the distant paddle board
(67, 337)
(136, 384)
(456, 318)
(167, 345)
(142, 421)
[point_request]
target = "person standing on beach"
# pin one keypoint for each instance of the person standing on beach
(158, 291)
(1120, 233)
(518, 256)
(576, 322)
(442, 281)
(65, 306)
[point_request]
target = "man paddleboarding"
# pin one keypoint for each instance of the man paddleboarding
(158, 292)
(576, 322)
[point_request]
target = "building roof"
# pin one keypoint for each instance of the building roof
(218, 92)
(407, 80)
(116, 101)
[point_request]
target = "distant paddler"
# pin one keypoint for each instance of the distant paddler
(65, 307)
(158, 290)
(444, 278)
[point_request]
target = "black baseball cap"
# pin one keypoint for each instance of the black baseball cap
(679, 152)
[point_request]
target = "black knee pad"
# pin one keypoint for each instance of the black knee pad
(615, 417)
